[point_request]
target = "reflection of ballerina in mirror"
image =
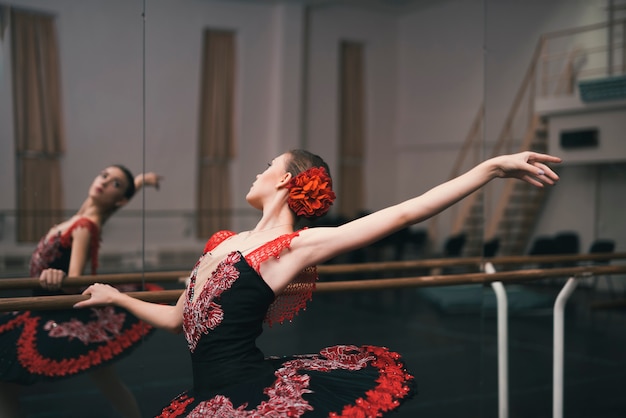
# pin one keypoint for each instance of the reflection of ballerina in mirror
(241, 281)
(39, 346)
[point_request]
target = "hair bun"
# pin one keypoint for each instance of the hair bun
(311, 193)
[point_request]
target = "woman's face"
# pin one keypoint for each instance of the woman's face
(108, 187)
(265, 184)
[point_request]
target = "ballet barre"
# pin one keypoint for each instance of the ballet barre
(165, 296)
(466, 261)
(328, 269)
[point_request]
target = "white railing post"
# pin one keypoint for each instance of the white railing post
(559, 347)
(503, 347)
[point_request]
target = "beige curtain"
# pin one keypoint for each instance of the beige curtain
(217, 135)
(351, 129)
(39, 134)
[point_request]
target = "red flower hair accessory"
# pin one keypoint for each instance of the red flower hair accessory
(311, 193)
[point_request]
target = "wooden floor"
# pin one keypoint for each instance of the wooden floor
(453, 356)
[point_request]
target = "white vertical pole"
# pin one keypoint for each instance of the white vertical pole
(559, 345)
(503, 349)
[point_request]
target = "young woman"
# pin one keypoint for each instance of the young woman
(46, 345)
(241, 280)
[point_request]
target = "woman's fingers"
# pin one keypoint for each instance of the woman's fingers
(91, 292)
(546, 174)
(153, 179)
(532, 168)
(51, 279)
(532, 180)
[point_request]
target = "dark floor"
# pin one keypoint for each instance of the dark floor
(452, 355)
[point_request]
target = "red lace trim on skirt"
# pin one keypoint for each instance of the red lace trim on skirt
(30, 358)
(285, 395)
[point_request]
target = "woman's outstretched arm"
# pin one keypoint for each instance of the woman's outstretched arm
(147, 179)
(320, 244)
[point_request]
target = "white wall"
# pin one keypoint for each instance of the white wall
(607, 117)
(440, 86)
(427, 72)
(330, 26)
(267, 83)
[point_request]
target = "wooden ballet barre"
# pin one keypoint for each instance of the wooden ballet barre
(468, 278)
(325, 269)
(67, 301)
(86, 280)
(556, 258)
(397, 265)
(126, 278)
(464, 261)
(166, 296)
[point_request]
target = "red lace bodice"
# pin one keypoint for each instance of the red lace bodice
(296, 295)
(55, 251)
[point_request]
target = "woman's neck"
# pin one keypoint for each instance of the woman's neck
(275, 217)
(268, 223)
(93, 212)
(275, 213)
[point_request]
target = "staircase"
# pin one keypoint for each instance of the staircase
(508, 211)
(512, 220)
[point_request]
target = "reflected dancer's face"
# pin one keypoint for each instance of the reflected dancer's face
(109, 187)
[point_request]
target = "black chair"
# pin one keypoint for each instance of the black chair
(567, 242)
(418, 239)
(491, 247)
(602, 246)
(453, 246)
(543, 245)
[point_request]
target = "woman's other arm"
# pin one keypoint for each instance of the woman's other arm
(167, 317)
(52, 279)
(147, 179)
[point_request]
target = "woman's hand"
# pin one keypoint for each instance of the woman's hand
(147, 179)
(51, 279)
(528, 166)
(101, 294)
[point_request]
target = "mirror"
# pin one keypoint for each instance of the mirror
(71, 105)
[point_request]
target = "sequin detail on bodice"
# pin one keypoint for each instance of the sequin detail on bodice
(205, 313)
